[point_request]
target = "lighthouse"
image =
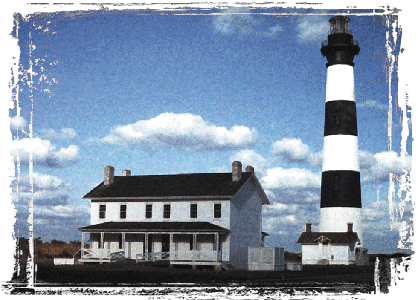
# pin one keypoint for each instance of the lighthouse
(340, 236)
(340, 184)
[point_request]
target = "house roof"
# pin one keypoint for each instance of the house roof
(154, 227)
(345, 238)
(180, 185)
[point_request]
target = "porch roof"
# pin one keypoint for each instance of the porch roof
(154, 227)
(336, 238)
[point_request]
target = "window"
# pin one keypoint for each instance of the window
(148, 211)
(217, 210)
(167, 209)
(193, 211)
(123, 211)
(102, 211)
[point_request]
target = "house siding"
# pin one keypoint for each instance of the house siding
(180, 212)
(246, 209)
(334, 254)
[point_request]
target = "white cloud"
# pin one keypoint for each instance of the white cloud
(312, 29)
(181, 131)
(43, 197)
(43, 152)
(41, 181)
(62, 211)
(372, 104)
(239, 21)
(17, 123)
(47, 190)
(294, 178)
(51, 134)
(293, 150)
(250, 158)
(378, 166)
(290, 217)
(373, 167)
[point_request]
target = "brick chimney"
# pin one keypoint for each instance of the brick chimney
(109, 175)
(236, 171)
(308, 227)
(249, 169)
(349, 227)
(126, 173)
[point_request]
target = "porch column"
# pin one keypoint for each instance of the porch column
(171, 245)
(82, 244)
(146, 245)
(123, 240)
(194, 255)
(123, 245)
(101, 246)
(217, 246)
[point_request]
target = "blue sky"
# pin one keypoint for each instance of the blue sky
(168, 93)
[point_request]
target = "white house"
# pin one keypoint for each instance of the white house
(196, 219)
(334, 248)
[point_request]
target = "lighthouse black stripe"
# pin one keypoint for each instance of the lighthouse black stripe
(340, 189)
(340, 118)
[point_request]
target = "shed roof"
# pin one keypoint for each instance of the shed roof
(154, 227)
(340, 238)
(186, 185)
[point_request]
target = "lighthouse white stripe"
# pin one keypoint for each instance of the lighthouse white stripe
(335, 219)
(340, 83)
(340, 152)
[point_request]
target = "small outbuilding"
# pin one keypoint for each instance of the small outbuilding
(333, 248)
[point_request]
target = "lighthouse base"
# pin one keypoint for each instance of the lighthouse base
(335, 219)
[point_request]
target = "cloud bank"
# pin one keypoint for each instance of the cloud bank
(43, 152)
(64, 133)
(372, 104)
(312, 29)
(293, 150)
(181, 131)
(239, 21)
(17, 123)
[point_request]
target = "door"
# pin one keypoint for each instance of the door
(165, 244)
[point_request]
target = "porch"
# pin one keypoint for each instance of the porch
(177, 245)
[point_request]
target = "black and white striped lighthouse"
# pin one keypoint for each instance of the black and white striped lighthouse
(340, 185)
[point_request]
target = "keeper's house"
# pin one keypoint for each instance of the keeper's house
(195, 219)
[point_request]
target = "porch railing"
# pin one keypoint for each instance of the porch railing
(153, 256)
(181, 256)
(95, 254)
